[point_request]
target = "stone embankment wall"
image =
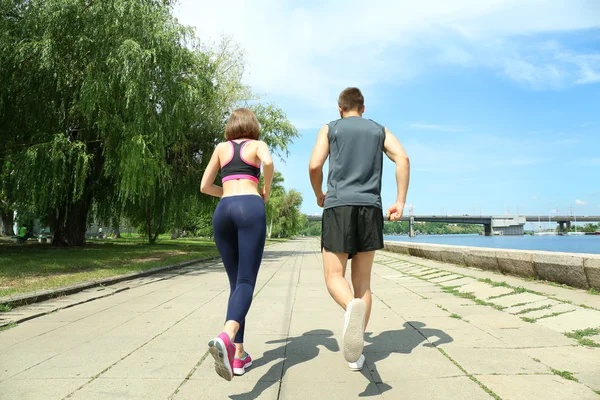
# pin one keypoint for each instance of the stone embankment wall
(578, 270)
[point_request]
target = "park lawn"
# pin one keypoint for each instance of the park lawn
(36, 266)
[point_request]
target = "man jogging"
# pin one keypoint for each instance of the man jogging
(352, 224)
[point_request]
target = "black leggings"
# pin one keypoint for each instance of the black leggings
(240, 227)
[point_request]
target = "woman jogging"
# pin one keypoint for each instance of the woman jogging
(239, 227)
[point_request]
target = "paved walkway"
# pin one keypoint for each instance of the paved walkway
(437, 332)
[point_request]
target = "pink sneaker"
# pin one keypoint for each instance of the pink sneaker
(240, 364)
(223, 351)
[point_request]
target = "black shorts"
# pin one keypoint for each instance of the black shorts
(352, 229)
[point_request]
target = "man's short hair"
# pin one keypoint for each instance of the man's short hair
(242, 125)
(351, 99)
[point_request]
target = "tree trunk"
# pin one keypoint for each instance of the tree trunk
(116, 233)
(69, 227)
(149, 224)
(174, 233)
(7, 223)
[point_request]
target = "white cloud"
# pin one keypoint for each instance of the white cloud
(581, 203)
(435, 127)
(310, 51)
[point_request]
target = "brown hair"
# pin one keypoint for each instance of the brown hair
(351, 99)
(242, 124)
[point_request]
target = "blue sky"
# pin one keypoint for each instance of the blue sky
(497, 103)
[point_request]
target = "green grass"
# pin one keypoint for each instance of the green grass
(456, 316)
(582, 336)
(593, 291)
(555, 314)
(5, 308)
(36, 266)
(516, 290)
(565, 374)
(494, 283)
(527, 310)
(7, 327)
(470, 296)
(527, 319)
(537, 360)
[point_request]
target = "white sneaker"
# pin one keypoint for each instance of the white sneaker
(354, 330)
(358, 365)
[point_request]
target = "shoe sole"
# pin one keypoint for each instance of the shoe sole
(354, 334)
(217, 349)
(241, 371)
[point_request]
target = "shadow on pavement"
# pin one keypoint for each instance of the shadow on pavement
(401, 341)
(304, 348)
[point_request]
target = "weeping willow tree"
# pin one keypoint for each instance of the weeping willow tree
(111, 109)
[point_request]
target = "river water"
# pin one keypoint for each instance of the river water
(569, 244)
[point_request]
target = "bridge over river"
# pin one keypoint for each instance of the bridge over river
(493, 224)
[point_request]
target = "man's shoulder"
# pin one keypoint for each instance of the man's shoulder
(359, 120)
(333, 123)
(376, 123)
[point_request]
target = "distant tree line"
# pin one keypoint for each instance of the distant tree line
(313, 228)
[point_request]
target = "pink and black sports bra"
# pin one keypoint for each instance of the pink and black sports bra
(237, 167)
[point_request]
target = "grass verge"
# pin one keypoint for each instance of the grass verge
(7, 327)
(36, 266)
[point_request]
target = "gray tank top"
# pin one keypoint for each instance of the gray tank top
(355, 163)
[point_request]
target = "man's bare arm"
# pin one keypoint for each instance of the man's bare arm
(317, 160)
(395, 152)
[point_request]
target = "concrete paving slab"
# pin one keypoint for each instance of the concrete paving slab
(495, 361)
(446, 278)
(483, 290)
(558, 308)
(457, 282)
(390, 367)
(595, 338)
(326, 368)
(535, 387)
(39, 389)
(576, 320)
(14, 361)
(147, 363)
(453, 388)
(219, 389)
(474, 338)
(518, 309)
(496, 319)
(571, 358)
(510, 301)
(531, 335)
(22, 332)
(590, 379)
(130, 389)
(356, 388)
